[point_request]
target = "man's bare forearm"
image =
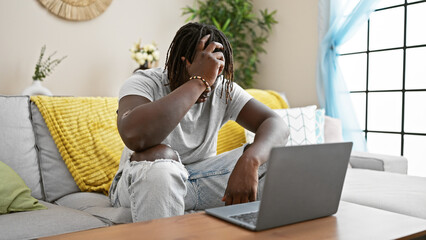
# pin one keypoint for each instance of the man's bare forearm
(149, 124)
(271, 133)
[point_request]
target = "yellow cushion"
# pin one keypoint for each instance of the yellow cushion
(270, 98)
(231, 135)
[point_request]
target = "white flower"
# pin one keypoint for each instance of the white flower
(150, 58)
(140, 56)
(156, 55)
(145, 48)
(143, 54)
(141, 62)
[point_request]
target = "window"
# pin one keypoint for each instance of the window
(384, 66)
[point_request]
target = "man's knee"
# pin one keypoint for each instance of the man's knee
(156, 152)
(167, 175)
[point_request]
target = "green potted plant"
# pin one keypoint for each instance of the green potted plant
(246, 31)
(43, 69)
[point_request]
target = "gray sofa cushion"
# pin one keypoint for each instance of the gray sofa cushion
(17, 141)
(385, 190)
(98, 205)
(57, 180)
(52, 221)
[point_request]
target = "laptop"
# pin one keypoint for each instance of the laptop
(302, 183)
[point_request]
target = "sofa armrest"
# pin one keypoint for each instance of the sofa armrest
(332, 130)
(379, 162)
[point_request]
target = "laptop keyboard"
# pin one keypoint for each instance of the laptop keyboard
(249, 218)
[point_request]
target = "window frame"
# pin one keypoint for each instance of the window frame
(403, 90)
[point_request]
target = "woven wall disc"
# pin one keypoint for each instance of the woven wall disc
(76, 10)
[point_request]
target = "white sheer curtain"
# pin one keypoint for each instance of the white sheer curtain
(338, 20)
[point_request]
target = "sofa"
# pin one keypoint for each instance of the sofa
(28, 148)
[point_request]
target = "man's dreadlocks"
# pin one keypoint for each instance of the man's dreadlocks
(184, 45)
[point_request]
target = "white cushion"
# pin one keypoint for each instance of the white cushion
(301, 123)
(332, 130)
(393, 192)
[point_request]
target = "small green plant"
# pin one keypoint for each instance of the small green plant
(45, 67)
(246, 32)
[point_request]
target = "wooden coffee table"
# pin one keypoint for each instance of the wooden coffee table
(352, 221)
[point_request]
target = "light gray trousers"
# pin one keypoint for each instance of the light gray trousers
(165, 187)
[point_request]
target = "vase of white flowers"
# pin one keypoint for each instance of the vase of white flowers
(146, 56)
(43, 69)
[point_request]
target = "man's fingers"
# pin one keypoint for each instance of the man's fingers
(236, 199)
(202, 42)
(219, 56)
(228, 200)
(252, 196)
(221, 66)
(213, 45)
(220, 70)
(188, 64)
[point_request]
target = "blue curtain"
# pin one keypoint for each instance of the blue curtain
(333, 94)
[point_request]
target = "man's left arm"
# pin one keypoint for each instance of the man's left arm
(271, 131)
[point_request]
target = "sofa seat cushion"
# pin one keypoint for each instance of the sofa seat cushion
(388, 191)
(52, 221)
(97, 205)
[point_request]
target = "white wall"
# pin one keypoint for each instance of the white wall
(98, 59)
(98, 50)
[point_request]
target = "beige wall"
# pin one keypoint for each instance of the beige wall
(290, 64)
(98, 60)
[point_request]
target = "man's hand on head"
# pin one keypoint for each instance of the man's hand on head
(208, 63)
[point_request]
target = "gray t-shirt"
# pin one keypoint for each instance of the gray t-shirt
(195, 137)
